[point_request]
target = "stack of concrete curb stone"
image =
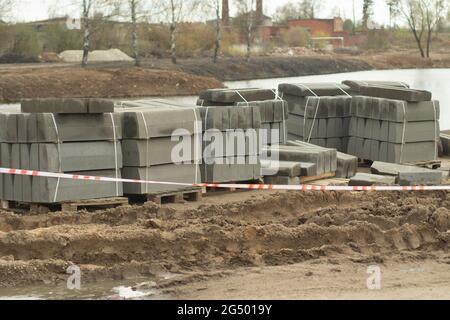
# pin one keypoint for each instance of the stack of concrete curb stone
(393, 124)
(231, 149)
(445, 144)
(410, 175)
(74, 136)
(296, 160)
(273, 110)
(318, 113)
(154, 134)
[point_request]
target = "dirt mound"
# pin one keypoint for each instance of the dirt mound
(63, 82)
(277, 229)
(112, 55)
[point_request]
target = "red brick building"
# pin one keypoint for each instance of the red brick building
(317, 28)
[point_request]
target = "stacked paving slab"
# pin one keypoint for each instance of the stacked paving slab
(76, 136)
(153, 132)
(393, 124)
(318, 113)
(274, 111)
(295, 160)
(231, 149)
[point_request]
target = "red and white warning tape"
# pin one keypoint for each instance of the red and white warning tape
(224, 186)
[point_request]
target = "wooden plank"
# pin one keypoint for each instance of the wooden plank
(181, 196)
(319, 177)
(5, 204)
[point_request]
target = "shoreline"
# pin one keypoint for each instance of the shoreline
(160, 78)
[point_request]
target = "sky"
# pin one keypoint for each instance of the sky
(26, 10)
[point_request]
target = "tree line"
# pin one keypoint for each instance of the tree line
(422, 17)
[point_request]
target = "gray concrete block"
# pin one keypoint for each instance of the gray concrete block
(353, 127)
(347, 165)
(54, 105)
(415, 111)
(367, 148)
(420, 178)
(403, 94)
(313, 89)
(367, 179)
(22, 125)
(282, 180)
(413, 131)
(356, 85)
(49, 190)
(359, 147)
(163, 122)
(9, 125)
(361, 128)
(157, 151)
(281, 168)
(384, 168)
(298, 154)
(368, 128)
(374, 150)
(383, 155)
(412, 152)
(330, 154)
(237, 95)
(100, 106)
(75, 127)
(445, 140)
(80, 156)
(186, 173)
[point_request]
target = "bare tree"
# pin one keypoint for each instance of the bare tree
(215, 7)
(367, 13)
(305, 9)
(134, 25)
(435, 11)
(176, 11)
(247, 9)
(86, 13)
(422, 17)
(97, 11)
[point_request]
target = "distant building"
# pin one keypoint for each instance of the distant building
(318, 28)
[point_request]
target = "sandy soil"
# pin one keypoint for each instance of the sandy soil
(222, 241)
(106, 82)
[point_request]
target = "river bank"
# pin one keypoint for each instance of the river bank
(54, 81)
(159, 77)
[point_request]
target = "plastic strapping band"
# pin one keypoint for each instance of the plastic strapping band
(306, 108)
(55, 197)
(147, 138)
(436, 139)
(404, 131)
(196, 146)
(116, 161)
(345, 92)
(283, 103)
(242, 97)
(205, 165)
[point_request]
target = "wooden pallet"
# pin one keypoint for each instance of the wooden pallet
(328, 175)
(432, 164)
(191, 195)
(67, 206)
(218, 191)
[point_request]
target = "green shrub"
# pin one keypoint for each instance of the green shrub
(26, 42)
(296, 37)
(58, 38)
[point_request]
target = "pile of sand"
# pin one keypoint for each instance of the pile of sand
(95, 56)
